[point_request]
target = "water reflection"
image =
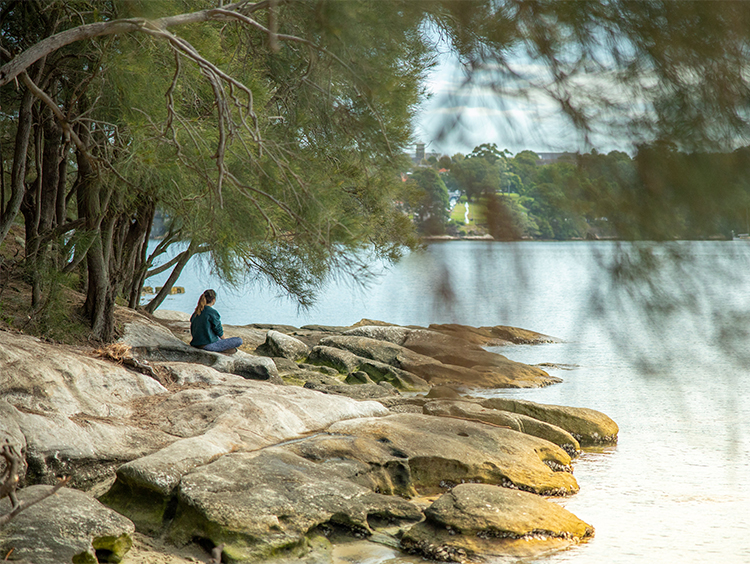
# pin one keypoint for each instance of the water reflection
(364, 552)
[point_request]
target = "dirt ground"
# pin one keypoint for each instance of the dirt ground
(147, 550)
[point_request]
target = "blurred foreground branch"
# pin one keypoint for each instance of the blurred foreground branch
(10, 479)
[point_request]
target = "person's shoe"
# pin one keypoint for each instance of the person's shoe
(230, 351)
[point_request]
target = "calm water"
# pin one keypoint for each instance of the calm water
(667, 357)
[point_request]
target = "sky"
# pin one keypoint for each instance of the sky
(456, 118)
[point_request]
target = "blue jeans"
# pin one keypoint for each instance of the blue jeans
(223, 344)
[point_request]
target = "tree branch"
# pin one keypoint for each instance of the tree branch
(42, 95)
(166, 266)
(19, 64)
(13, 462)
(11, 477)
(5, 519)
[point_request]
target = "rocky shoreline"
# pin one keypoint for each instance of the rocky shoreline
(307, 436)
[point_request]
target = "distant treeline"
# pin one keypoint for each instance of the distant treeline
(660, 193)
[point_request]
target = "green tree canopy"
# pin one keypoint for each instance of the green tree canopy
(431, 212)
(476, 176)
(488, 152)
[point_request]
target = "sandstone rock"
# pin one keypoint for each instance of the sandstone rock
(444, 392)
(380, 359)
(440, 359)
(401, 379)
(264, 503)
(74, 412)
(404, 408)
(485, 369)
(364, 322)
(365, 347)
(357, 378)
(433, 358)
(310, 338)
(171, 315)
(519, 336)
(322, 328)
(252, 410)
(323, 369)
(284, 365)
(69, 526)
(459, 361)
(285, 346)
(317, 380)
(215, 421)
(299, 374)
(419, 358)
(437, 374)
(359, 392)
(85, 417)
(417, 401)
(271, 327)
(517, 422)
(154, 342)
(478, 520)
(251, 337)
(588, 426)
(343, 361)
(48, 378)
(181, 374)
(493, 336)
(9, 430)
(429, 453)
(390, 333)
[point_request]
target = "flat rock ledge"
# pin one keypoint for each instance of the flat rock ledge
(504, 418)
(150, 341)
(477, 521)
(588, 426)
(202, 450)
(408, 358)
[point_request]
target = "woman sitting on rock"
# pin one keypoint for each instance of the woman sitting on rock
(206, 329)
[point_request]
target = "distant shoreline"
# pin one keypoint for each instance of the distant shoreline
(487, 237)
(441, 238)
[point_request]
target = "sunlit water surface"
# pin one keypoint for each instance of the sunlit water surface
(667, 358)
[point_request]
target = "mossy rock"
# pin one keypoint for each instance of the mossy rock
(146, 508)
(588, 426)
(69, 526)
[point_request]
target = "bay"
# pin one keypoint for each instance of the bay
(666, 355)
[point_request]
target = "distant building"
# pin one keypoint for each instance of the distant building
(419, 154)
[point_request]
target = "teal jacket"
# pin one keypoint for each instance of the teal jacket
(206, 328)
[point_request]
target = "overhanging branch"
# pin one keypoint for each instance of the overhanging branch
(19, 64)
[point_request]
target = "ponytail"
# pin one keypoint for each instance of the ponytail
(206, 297)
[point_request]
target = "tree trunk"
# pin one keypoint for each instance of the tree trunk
(40, 204)
(140, 258)
(99, 305)
(130, 236)
(185, 256)
(18, 172)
